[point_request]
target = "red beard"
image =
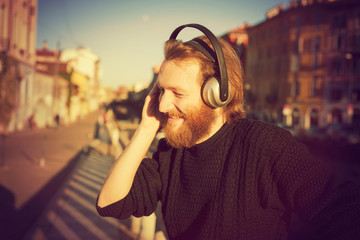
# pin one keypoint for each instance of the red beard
(196, 125)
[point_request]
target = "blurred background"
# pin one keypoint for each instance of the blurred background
(82, 62)
(60, 60)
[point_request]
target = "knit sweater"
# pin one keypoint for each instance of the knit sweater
(242, 183)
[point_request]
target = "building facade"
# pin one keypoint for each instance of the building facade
(303, 64)
(51, 88)
(18, 29)
(85, 73)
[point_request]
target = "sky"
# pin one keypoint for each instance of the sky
(129, 35)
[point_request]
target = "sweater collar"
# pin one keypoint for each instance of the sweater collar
(211, 142)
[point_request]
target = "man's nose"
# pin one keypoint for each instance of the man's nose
(165, 102)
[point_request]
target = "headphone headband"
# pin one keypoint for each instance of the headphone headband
(220, 60)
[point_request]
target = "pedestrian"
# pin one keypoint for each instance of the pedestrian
(217, 174)
(31, 122)
(57, 120)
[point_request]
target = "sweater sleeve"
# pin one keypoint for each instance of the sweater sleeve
(143, 196)
(329, 208)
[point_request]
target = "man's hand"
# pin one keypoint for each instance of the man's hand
(151, 117)
(125, 167)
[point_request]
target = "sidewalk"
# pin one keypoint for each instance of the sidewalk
(71, 213)
(34, 163)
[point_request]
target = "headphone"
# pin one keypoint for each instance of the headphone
(215, 90)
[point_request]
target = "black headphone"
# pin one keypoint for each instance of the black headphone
(215, 90)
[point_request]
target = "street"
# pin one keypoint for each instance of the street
(36, 163)
(50, 179)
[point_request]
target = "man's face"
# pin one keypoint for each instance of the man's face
(187, 119)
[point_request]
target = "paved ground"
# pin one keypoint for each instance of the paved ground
(50, 178)
(33, 166)
(71, 214)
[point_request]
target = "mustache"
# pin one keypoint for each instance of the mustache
(175, 114)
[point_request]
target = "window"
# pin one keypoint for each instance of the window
(294, 63)
(356, 41)
(274, 89)
(317, 20)
(283, 64)
(357, 66)
(339, 21)
(268, 52)
(357, 20)
(2, 25)
(32, 11)
(356, 117)
(269, 33)
(314, 118)
(296, 117)
(301, 45)
(286, 27)
(284, 48)
(295, 88)
(298, 23)
(314, 60)
(315, 87)
(338, 41)
(336, 115)
(336, 68)
(355, 95)
(316, 41)
(296, 46)
(15, 28)
(307, 45)
(336, 94)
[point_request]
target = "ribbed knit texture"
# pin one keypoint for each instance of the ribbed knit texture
(242, 183)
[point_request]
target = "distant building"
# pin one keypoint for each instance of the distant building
(18, 31)
(85, 76)
(303, 64)
(238, 39)
(51, 88)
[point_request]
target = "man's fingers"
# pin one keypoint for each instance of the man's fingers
(155, 90)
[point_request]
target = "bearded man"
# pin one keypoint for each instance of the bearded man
(217, 174)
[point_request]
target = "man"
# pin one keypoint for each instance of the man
(217, 174)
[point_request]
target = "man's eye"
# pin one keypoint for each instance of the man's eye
(178, 94)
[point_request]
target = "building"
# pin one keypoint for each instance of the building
(51, 88)
(303, 64)
(238, 39)
(342, 88)
(85, 72)
(18, 29)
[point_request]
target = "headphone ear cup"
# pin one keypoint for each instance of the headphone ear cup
(210, 93)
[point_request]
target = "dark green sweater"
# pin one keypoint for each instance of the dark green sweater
(242, 183)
